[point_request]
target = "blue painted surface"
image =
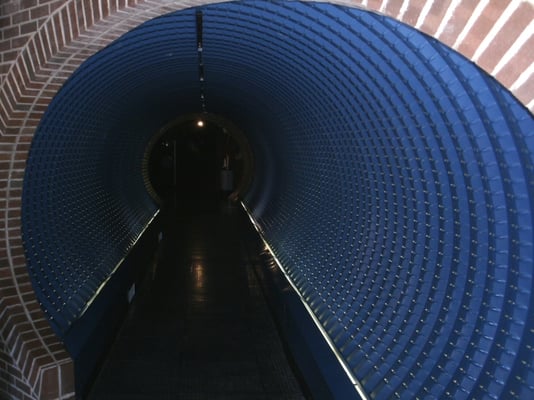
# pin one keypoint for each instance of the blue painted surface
(394, 182)
(316, 363)
(93, 333)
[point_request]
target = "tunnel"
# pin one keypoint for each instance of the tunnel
(392, 183)
(198, 153)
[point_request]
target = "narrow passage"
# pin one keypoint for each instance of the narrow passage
(201, 329)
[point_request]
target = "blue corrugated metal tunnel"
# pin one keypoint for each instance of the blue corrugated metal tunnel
(393, 181)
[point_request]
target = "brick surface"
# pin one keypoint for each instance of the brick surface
(9, 8)
(67, 378)
(28, 3)
(19, 17)
(481, 27)
(41, 11)
(507, 36)
(10, 376)
(50, 385)
(518, 64)
(5, 21)
(434, 17)
(25, 97)
(526, 90)
(28, 27)
(412, 13)
(11, 32)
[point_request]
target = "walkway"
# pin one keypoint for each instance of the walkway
(202, 330)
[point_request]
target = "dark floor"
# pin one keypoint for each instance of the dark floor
(202, 330)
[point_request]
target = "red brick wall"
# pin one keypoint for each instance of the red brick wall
(43, 41)
(19, 19)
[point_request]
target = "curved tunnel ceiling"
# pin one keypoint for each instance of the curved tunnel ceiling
(394, 181)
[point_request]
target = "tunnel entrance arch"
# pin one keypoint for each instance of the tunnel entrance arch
(21, 117)
(197, 152)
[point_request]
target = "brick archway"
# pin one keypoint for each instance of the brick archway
(44, 43)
